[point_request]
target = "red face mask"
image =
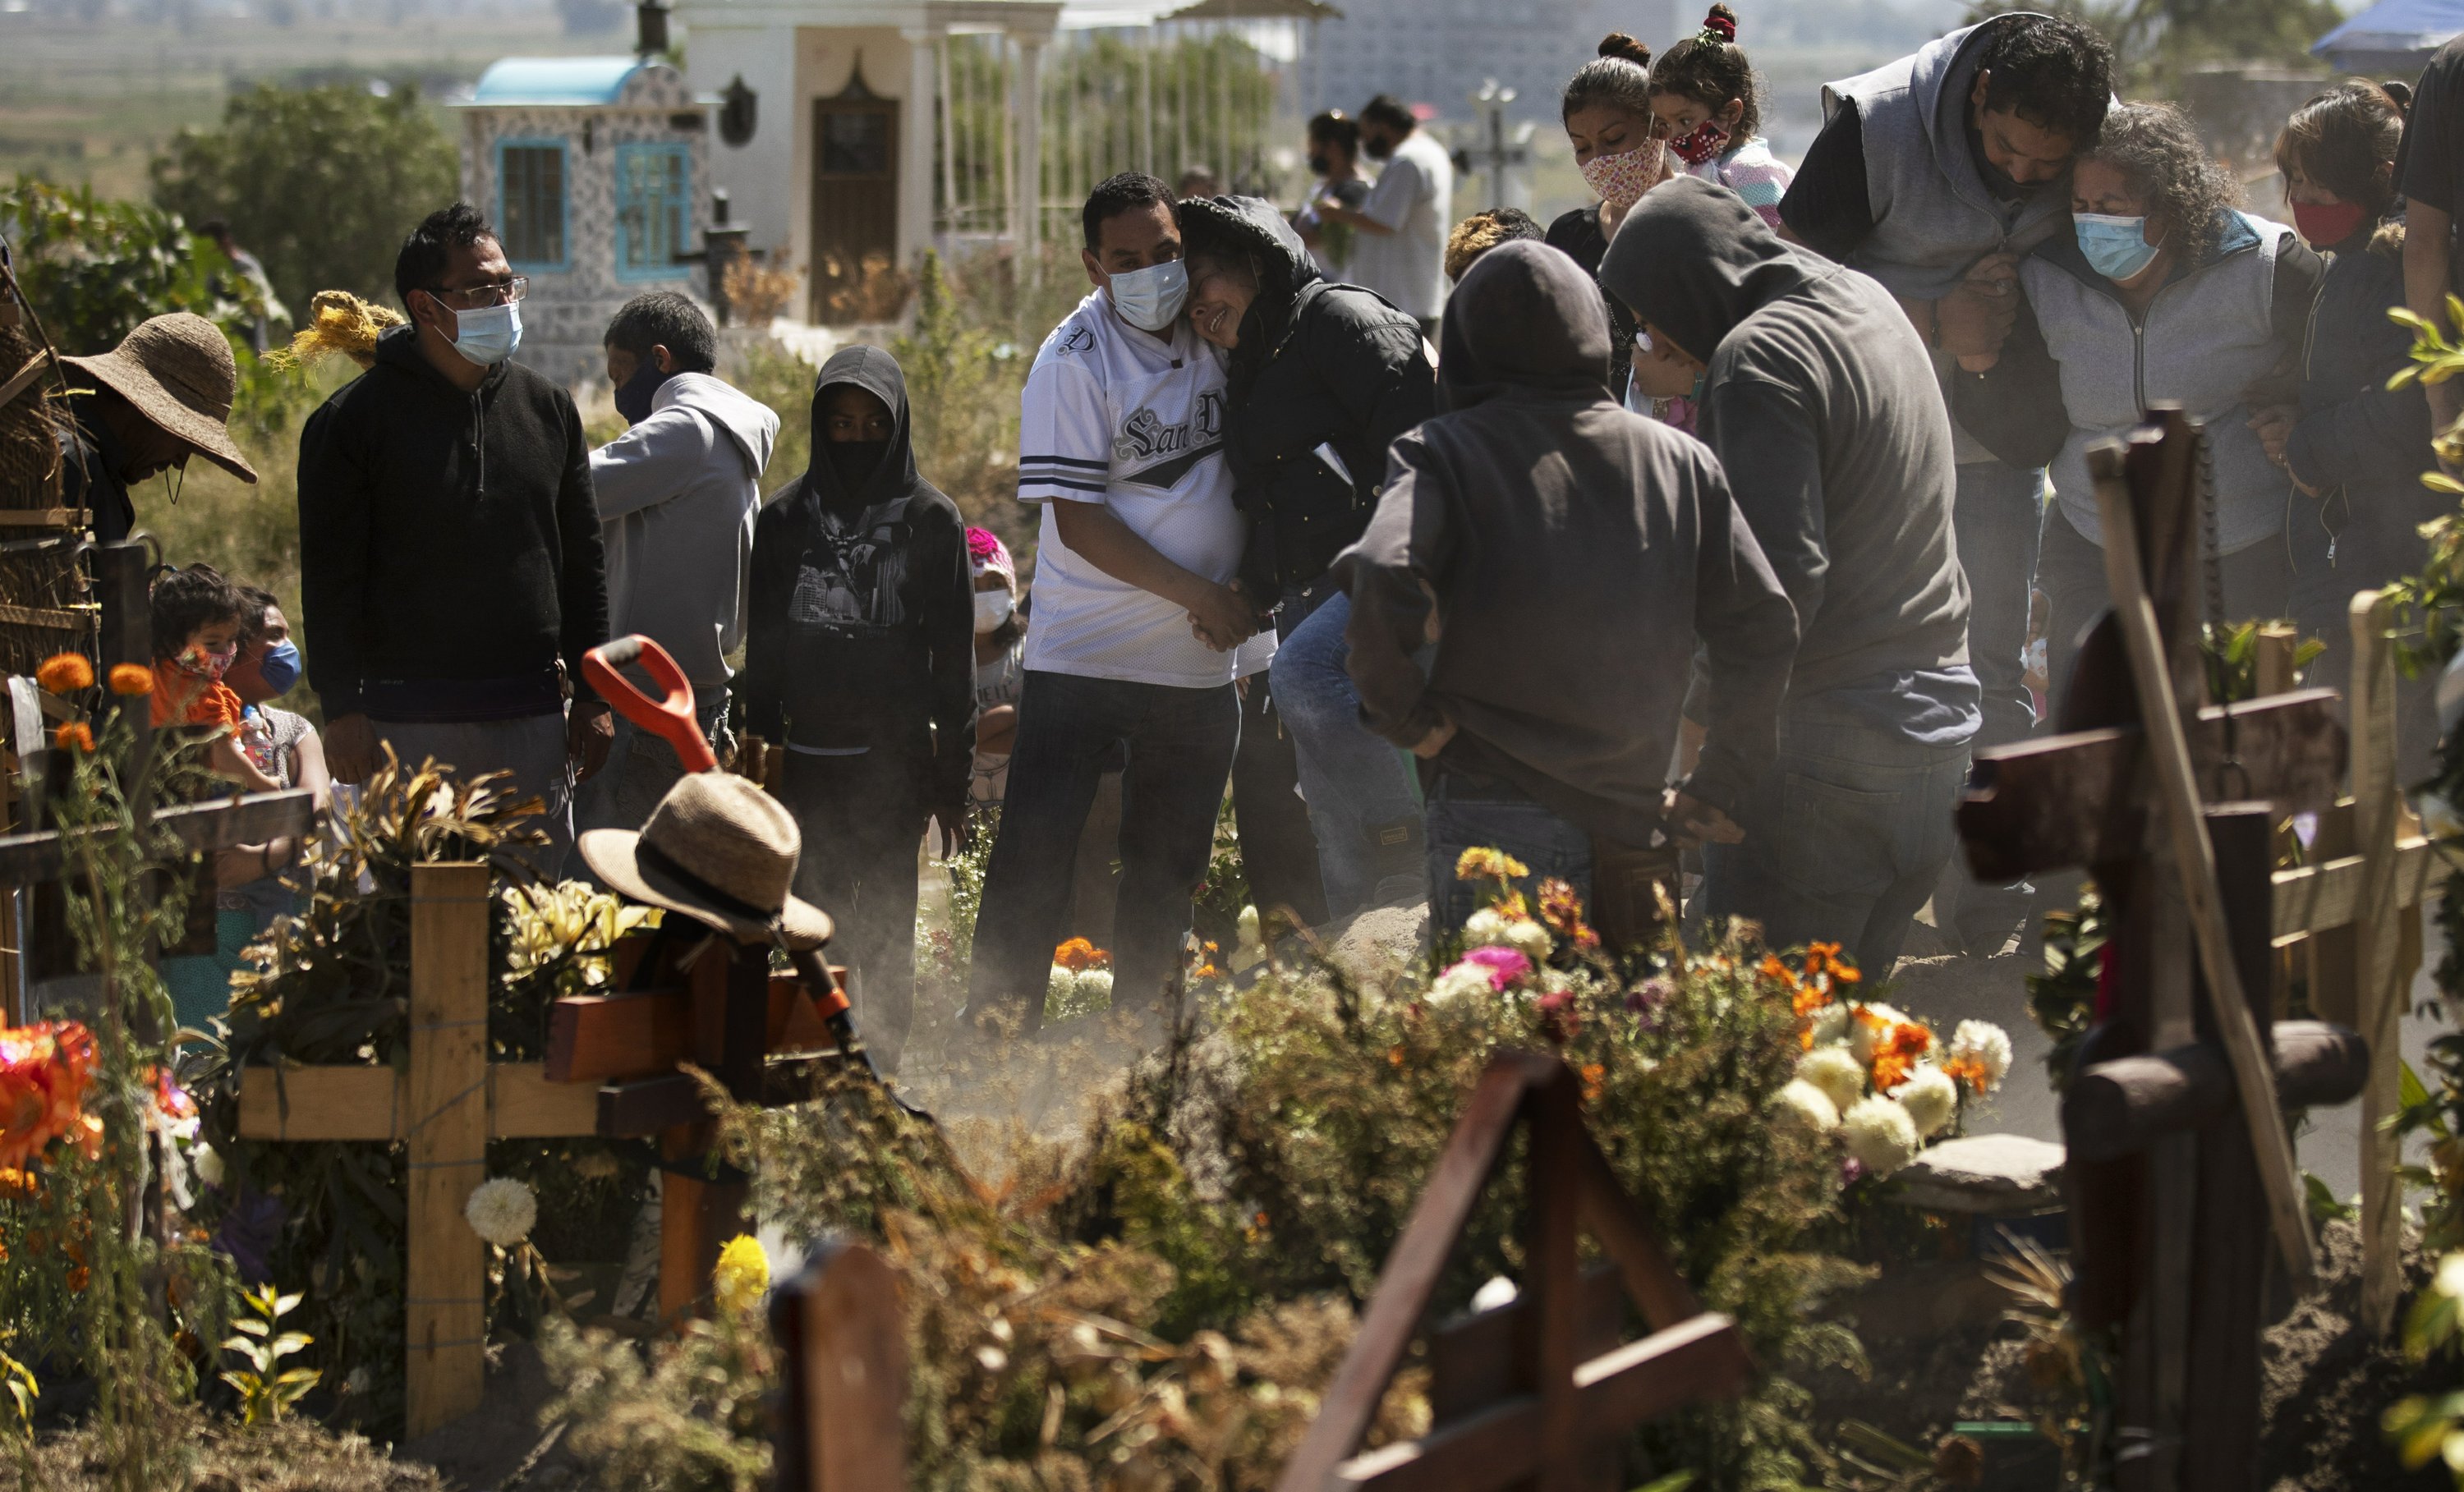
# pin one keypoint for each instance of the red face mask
(1700, 142)
(2325, 224)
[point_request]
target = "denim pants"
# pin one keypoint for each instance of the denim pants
(2257, 581)
(641, 767)
(860, 818)
(1352, 779)
(531, 747)
(1844, 840)
(1995, 520)
(1547, 846)
(1180, 744)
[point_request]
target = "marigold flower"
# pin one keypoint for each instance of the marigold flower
(73, 736)
(742, 1276)
(1078, 955)
(1482, 863)
(1968, 1070)
(65, 673)
(1563, 912)
(131, 679)
(79, 1276)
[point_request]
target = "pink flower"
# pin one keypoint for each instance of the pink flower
(1505, 965)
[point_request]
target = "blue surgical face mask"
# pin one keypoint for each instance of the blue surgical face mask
(279, 668)
(2115, 247)
(633, 400)
(1150, 299)
(488, 334)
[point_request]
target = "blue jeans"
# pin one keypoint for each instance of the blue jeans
(1547, 846)
(1180, 745)
(641, 767)
(1845, 838)
(1995, 522)
(1354, 782)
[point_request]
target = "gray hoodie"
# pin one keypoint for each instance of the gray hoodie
(677, 497)
(1820, 404)
(1573, 553)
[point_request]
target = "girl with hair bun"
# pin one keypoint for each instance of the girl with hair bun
(1706, 103)
(1607, 114)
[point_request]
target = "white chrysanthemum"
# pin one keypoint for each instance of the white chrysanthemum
(1986, 1044)
(207, 1165)
(1831, 1024)
(1094, 988)
(1840, 1076)
(1874, 1020)
(1529, 939)
(1486, 927)
(502, 1210)
(1463, 979)
(1930, 1098)
(1881, 1134)
(1250, 947)
(1060, 985)
(1802, 1101)
(2449, 1279)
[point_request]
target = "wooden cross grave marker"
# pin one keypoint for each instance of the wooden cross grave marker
(2180, 1170)
(611, 1070)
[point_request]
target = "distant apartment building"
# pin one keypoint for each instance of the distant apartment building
(1439, 52)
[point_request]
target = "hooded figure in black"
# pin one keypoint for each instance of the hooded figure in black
(1821, 405)
(1564, 555)
(1323, 377)
(860, 656)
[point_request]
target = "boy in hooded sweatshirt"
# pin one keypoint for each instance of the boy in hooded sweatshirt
(862, 661)
(677, 497)
(1820, 402)
(1562, 553)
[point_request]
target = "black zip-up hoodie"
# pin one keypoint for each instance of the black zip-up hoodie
(862, 632)
(449, 550)
(1319, 365)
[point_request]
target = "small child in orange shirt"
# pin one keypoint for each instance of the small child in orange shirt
(198, 616)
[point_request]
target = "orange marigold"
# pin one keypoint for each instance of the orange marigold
(1968, 1070)
(78, 1280)
(1078, 955)
(65, 673)
(1911, 1038)
(1890, 1070)
(73, 736)
(131, 679)
(1778, 973)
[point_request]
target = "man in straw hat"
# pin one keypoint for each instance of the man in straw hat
(719, 851)
(144, 408)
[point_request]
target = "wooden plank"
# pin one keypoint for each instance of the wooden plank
(697, 1217)
(2320, 898)
(42, 517)
(596, 1038)
(2068, 800)
(66, 619)
(2275, 644)
(2333, 994)
(1693, 1361)
(846, 1375)
(2194, 860)
(1471, 1358)
(446, 1276)
(370, 1104)
(2384, 978)
(216, 824)
(1545, 1341)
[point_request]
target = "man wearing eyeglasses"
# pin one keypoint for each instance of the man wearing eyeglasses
(449, 549)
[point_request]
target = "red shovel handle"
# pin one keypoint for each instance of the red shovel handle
(670, 716)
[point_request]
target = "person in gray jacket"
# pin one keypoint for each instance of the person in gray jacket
(1820, 402)
(676, 497)
(1933, 174)
(2162, 294)
(1562, 553)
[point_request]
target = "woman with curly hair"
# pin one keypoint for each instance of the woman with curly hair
(2162, 292)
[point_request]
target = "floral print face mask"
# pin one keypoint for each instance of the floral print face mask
(1622, 179)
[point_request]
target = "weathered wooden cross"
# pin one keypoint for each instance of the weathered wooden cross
(2180, 1166)
(612, 1070)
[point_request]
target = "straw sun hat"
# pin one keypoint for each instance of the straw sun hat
(719, 851)
(178, 371)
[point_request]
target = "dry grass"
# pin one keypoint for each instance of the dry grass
(292, 1457)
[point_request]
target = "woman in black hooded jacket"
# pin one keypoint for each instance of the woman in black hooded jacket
(860, 657)
(1322, 378)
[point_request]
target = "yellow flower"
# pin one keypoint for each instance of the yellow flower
(1479, 864)
(742, 1276)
